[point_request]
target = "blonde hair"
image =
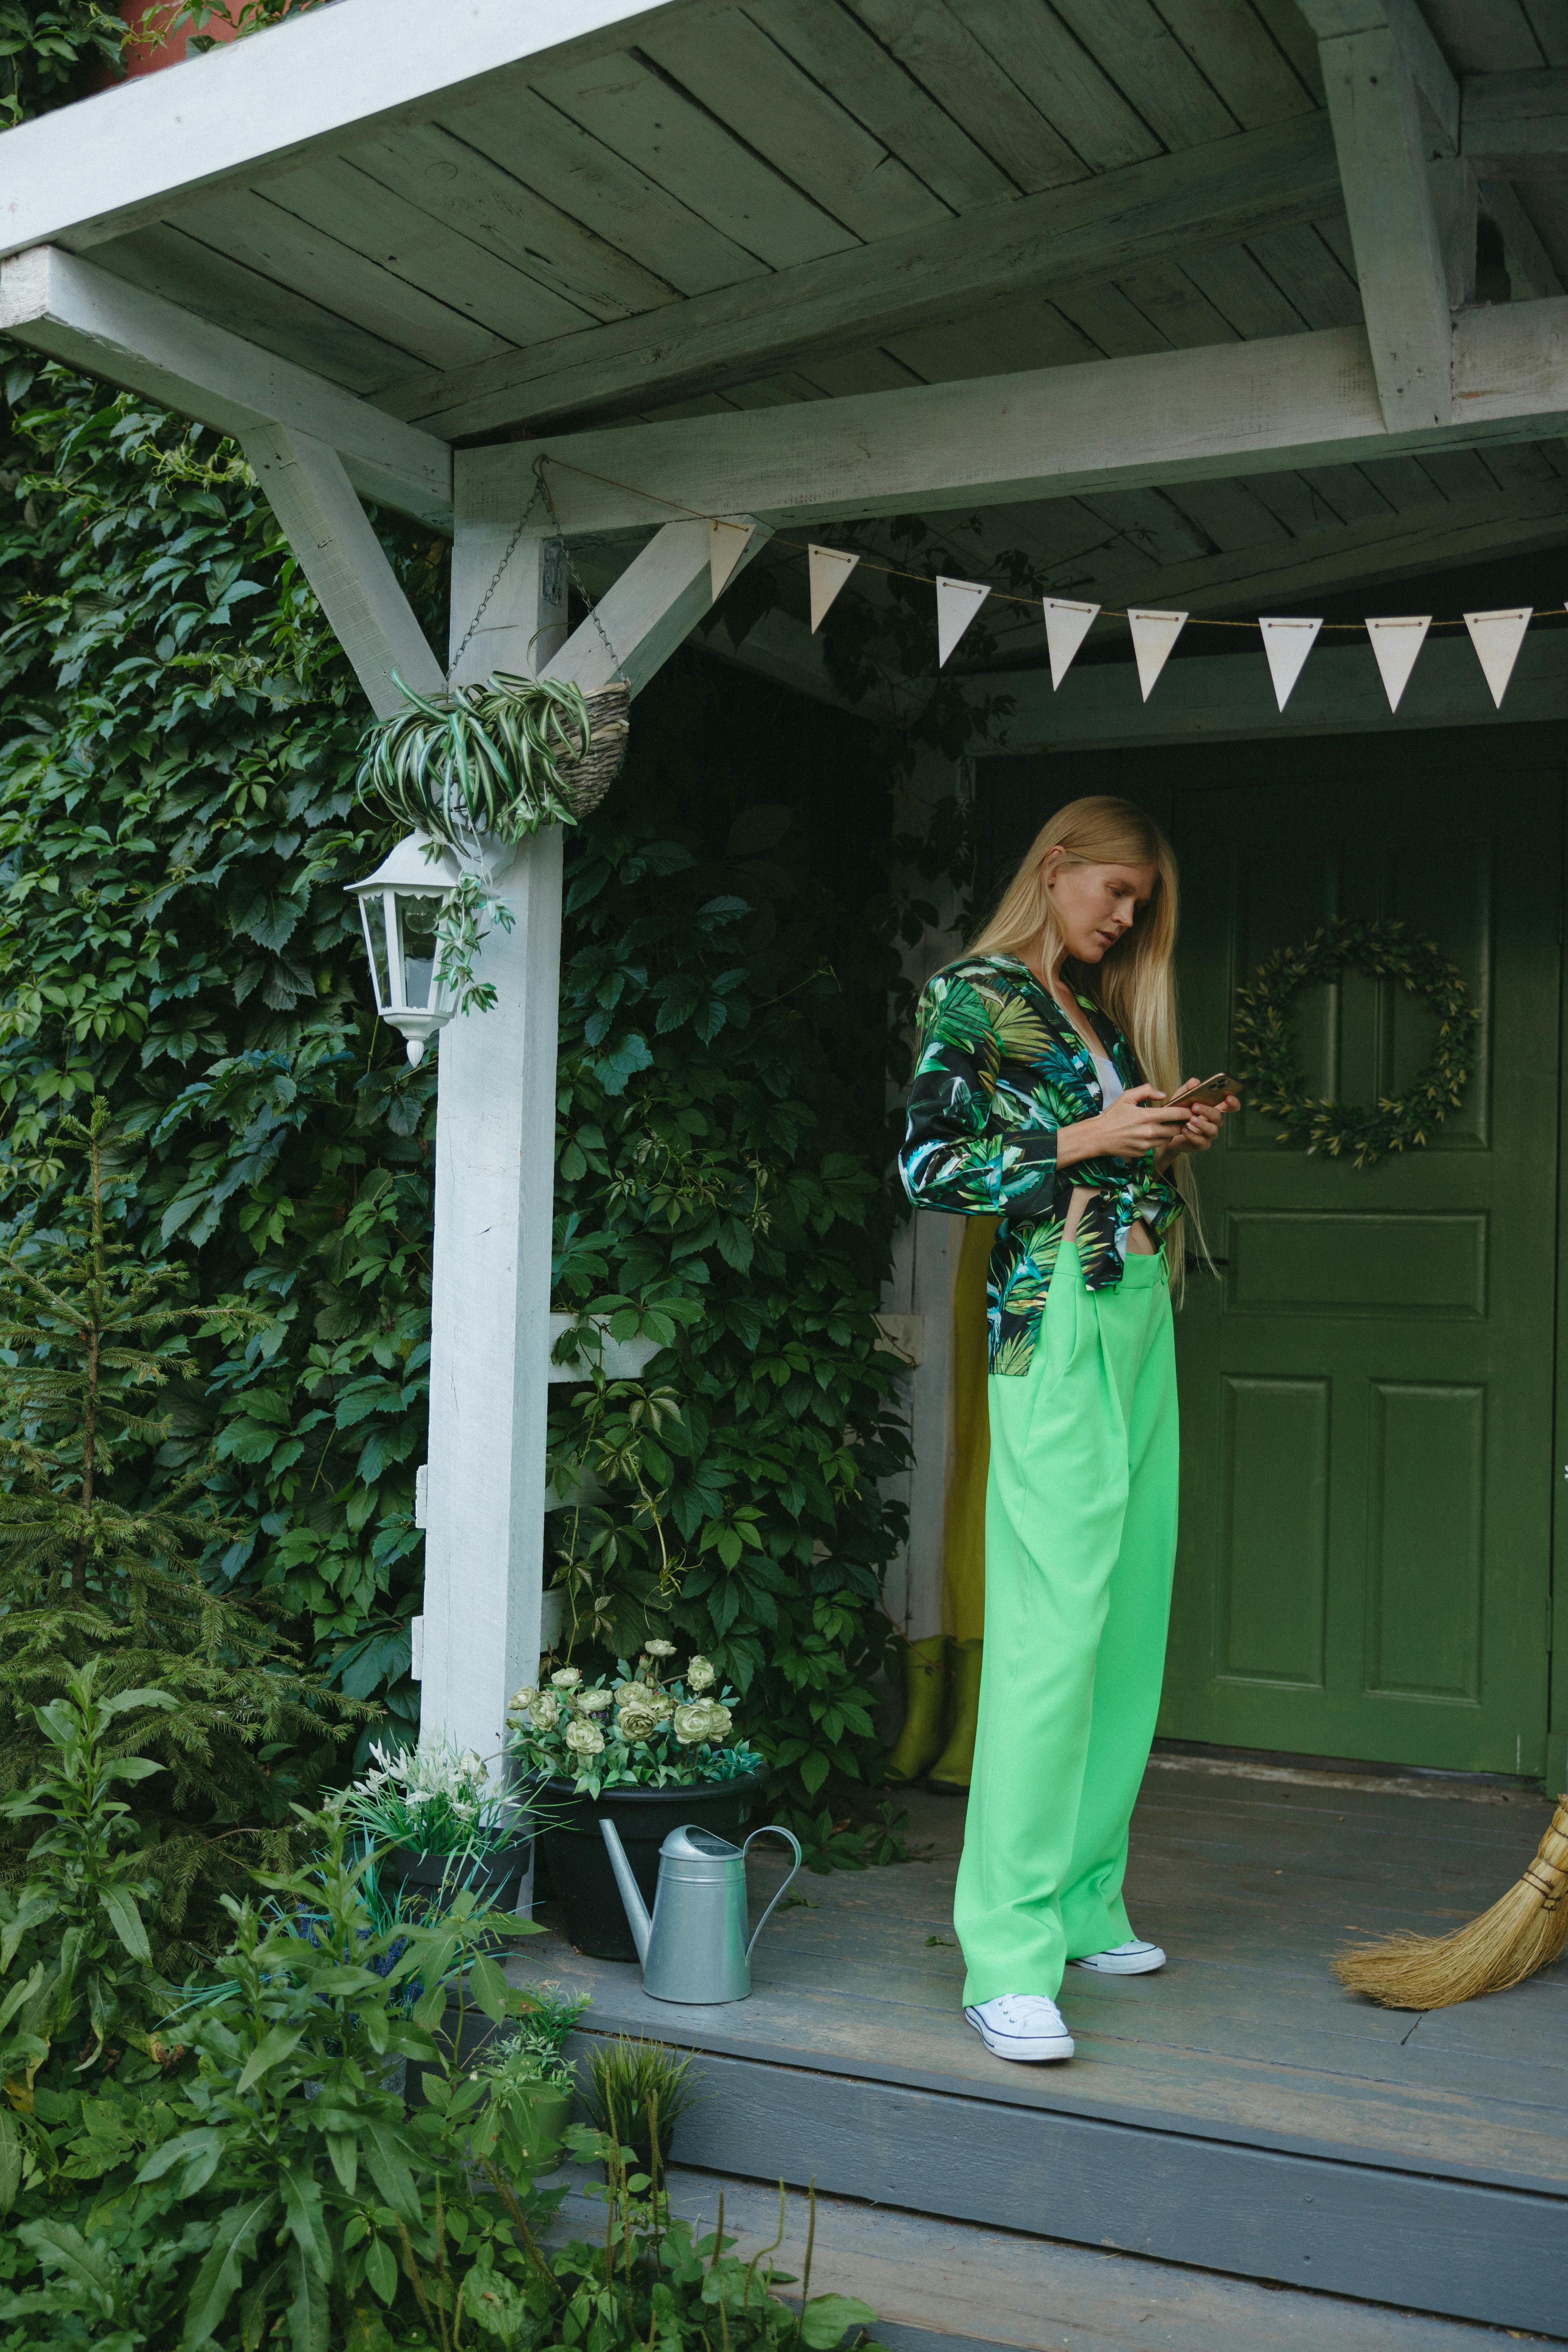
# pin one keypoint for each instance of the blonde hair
(1134, 983)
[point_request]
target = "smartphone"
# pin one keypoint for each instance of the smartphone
(1207, 1090)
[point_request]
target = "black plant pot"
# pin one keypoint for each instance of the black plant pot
(494, 1879)
(585, 1884)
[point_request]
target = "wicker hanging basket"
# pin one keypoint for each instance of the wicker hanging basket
(585, 780)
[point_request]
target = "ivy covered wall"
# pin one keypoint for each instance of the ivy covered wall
(177, 823)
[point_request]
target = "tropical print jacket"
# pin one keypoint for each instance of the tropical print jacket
(1001, 1068)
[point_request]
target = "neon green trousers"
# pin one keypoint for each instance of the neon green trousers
(1081, 1541)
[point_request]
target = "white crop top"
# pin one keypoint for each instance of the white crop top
(1110, 1085)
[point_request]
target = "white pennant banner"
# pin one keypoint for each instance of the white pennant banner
(1497, 638)
(1067, 625)
(830, 567)
(1287, 645)
(1153, 635)
(727, 542)
(957, 603)
(1396, 643)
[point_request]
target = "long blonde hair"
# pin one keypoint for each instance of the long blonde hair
(1134, 983)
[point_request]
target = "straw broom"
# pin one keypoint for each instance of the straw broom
(1520, 1934)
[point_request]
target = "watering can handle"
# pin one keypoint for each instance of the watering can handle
(769, 1829)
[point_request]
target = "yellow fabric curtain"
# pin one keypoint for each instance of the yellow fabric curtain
(963, 1528)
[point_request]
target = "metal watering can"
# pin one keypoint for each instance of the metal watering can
(694, 1949)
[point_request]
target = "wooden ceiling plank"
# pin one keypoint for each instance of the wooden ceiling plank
(1515, 125)
(1298, 505)
(1484, 35)
(838, 51)
(1243, 292)
(1150, 66)
(378, 222)
(1548, 21)
(1151, 523)
(1349, 491)
(757, 90)
(1228, 515)
(1110, 322)
(432, 168)
(55, 301)
(1032, 247)
(995, 340)
(1285, 26)
(1168, 298)
(872, 370)
(1459, 473)
(1531, 268)
(637, 114)
(211, 286)
(1055, 73)
(1515, 464)
(1297, 258)
(1403, 482)
(1233, 51)
(947, 59)
(245, 226)
(608, 195)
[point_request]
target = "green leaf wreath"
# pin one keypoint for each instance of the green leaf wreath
(1266, 1049)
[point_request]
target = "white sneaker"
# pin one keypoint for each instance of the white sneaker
(1024, 2025)
(1135, 1960)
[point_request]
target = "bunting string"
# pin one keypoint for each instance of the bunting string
(1396, 639)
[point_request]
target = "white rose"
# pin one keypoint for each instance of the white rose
(700, 1675)
(592, 1702)
(546, 1711)
(584, 1738)
(658, 1649)
(638, 1723)
(522, 1700)
(699, 1720)
(566, 1677)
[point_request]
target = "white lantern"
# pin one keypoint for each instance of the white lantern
(399, 905)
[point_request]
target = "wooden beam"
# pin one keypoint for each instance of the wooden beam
(1369, 55)
(637, 625)
(1532, 273)
(1228, 698)
(344, 562)
(1186, 415)
(1515, 125)
(81, 314)
(117, 161)
(1041, 246)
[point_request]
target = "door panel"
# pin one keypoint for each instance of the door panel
(1367, 1376)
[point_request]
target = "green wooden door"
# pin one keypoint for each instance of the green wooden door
(1367, 1381)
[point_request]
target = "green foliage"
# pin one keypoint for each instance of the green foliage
(482, 759)
(638, 2092)
(262, 2178)
(1266, 1050)
(50, 54)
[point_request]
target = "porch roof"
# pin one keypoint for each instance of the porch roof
(1111, 263)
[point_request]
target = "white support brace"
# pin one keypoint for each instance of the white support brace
(79, 313)
(495, 1137)
(328, 528)
(651, 609)
(1379, 62)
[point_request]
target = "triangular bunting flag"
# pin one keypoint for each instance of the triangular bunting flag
(1396, 643)
(829, 568)
(1497, 638)
(957, 603)
(1287, 645)
(1067, 625)
(727, 542)
(1153, 635)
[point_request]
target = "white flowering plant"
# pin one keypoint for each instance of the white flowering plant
(433, 1799)
(655, 1727)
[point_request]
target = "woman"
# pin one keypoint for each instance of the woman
(1047, 1055)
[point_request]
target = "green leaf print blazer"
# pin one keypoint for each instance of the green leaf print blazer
(1001, 1068)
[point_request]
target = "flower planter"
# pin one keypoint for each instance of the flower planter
(493, 1878)
(584, 1884)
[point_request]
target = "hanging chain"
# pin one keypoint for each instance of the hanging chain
(511, 547)
(572, 569)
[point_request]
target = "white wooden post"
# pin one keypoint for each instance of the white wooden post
(495, 1156)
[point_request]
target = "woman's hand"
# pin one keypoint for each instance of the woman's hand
(1139, 1121)
(1203, 1123)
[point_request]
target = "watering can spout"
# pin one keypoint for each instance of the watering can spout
(631, 1896)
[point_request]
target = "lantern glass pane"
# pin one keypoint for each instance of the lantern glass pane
(374, 921)
(418, 918)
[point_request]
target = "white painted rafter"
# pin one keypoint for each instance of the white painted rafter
(78, 313)
(77, 177)
(652, 608)
(338, 551)
(1391, 101)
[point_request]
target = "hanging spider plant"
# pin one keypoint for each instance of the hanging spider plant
(495, 758)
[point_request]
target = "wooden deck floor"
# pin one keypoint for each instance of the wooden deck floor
(1238, 2111)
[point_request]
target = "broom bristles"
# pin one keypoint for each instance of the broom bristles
(1520, 1934)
